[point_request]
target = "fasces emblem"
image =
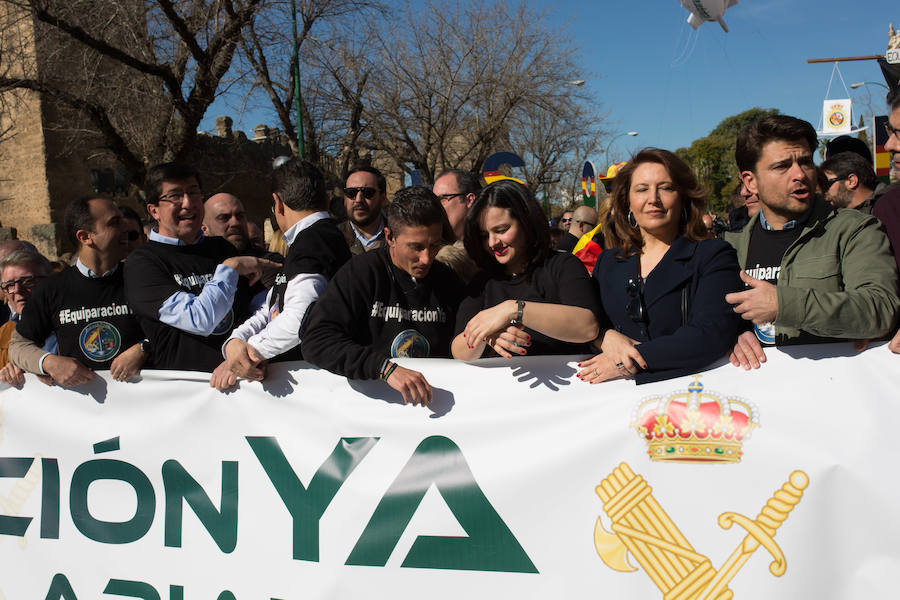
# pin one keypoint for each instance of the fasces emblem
(641, 528)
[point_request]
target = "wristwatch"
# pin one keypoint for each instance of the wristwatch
(145, 346)
(520, 307)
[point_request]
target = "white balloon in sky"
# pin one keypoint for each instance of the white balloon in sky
(707, 10)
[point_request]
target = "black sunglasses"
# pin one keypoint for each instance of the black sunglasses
(367, 192)
(832, 181)
(634, 308)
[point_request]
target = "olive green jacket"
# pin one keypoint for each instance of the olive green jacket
(837, 280)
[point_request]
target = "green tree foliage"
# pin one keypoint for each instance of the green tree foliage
(712, 157)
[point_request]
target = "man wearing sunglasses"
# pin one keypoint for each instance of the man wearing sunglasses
(188, 290)
(850, 182)
(134, 230)
(813, 273)
(365, 196)
(457, 189)
(84, 305)
(584, 218)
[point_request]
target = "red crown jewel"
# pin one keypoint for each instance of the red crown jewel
(694, 425)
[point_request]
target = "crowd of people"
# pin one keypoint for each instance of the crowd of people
(464, 271)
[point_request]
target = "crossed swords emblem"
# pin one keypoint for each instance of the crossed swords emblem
(641, 527)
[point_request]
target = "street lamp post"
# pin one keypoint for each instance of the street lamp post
(859, 84)
(296, 61)
(631, 133)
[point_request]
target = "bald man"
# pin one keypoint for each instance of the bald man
(225, 217)
(584, 218)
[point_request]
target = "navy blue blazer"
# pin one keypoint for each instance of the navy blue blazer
(707, 270)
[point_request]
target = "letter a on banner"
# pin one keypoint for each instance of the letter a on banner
(490, 545)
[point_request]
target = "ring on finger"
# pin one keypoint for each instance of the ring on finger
(620, 365)
(596, 374)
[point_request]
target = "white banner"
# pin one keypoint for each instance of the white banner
(313, 486)
(836, 116)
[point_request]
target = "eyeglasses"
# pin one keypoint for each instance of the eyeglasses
(445, 197)
(588, 223)
(832, 181)
(367, 192)
(891, 131)
(177, 196)
(25, 283)
(634, 308)
(567, 220)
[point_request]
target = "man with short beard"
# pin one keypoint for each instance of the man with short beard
(851, 182)
(365, 196)
(813, 273)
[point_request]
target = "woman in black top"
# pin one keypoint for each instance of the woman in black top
(528, 298)
(662, 282)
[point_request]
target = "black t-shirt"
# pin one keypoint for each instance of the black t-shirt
(373, 310)
(764, 255)
(153, 273)
(318, 249)
(92, 321)
(560, 279)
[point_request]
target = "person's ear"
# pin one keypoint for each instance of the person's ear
(748, 178)
(83, 236)
(852, 181)
(278, 204)
(389, 236)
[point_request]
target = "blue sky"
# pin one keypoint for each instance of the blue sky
(654, 74)
(631, 57)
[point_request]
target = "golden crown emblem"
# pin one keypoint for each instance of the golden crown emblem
(694, 425)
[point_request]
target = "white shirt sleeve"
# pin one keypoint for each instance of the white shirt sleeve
(283, 332)
(256, 323)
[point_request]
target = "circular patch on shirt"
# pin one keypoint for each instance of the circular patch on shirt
(225, 324)
(100, 341)
(765, 333)
(409, 343)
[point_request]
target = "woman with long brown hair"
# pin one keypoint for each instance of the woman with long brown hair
(662, 280)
